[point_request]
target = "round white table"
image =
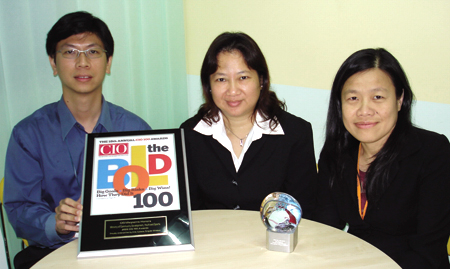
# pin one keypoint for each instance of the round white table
(236, 238)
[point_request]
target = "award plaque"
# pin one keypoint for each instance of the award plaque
(135, 194)
(281, 214)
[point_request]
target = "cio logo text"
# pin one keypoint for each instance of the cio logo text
(113, 149)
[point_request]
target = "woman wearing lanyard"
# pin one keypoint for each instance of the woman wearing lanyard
(386, 179)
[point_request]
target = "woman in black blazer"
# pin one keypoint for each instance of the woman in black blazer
(242, 145)
(388, 181)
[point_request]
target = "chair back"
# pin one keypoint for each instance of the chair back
(4, 261)
(2, 184)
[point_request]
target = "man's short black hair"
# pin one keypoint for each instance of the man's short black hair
(77, 23)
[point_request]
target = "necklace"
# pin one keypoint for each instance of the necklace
(241, 140)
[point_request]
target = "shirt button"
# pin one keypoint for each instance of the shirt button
(234, 182)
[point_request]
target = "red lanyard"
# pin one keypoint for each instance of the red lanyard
(362, 212)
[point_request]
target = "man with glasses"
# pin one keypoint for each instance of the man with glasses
(44, 160)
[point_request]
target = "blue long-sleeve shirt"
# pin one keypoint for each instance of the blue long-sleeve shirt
(44, 164)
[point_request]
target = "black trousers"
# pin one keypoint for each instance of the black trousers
(29, 256)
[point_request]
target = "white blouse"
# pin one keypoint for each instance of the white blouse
(219, 133)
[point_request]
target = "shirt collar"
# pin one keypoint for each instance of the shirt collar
(68, 121)
(66, 118)
(219, 133)
(263, 127)
(105, 117)
(218, 128)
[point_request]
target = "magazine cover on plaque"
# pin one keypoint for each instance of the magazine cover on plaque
(135, 194)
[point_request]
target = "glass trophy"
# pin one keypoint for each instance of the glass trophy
(281, 214)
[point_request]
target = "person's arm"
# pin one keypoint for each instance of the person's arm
(301, 180)
(30, 216)
(326, 211)
(145, 126)
(194, 190)
(433, 219)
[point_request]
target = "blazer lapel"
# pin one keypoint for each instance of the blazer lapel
(410, 146)
(255, 149)
(223, 154)
(350, 175)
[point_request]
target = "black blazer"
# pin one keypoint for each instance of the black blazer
(411, 220)
(284, 163)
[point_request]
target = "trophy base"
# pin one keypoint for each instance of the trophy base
(283, 242)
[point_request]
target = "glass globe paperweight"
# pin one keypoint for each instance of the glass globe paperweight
(281, 214)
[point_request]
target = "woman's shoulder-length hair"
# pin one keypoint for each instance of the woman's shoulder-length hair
(268, 104)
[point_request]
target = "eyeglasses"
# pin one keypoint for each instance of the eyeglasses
(74, 53)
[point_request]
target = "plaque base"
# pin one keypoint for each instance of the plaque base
(283, 242)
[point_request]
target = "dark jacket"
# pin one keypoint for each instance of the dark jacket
(411, 220)
(284, 163)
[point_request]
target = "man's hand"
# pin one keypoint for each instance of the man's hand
(68, 214)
